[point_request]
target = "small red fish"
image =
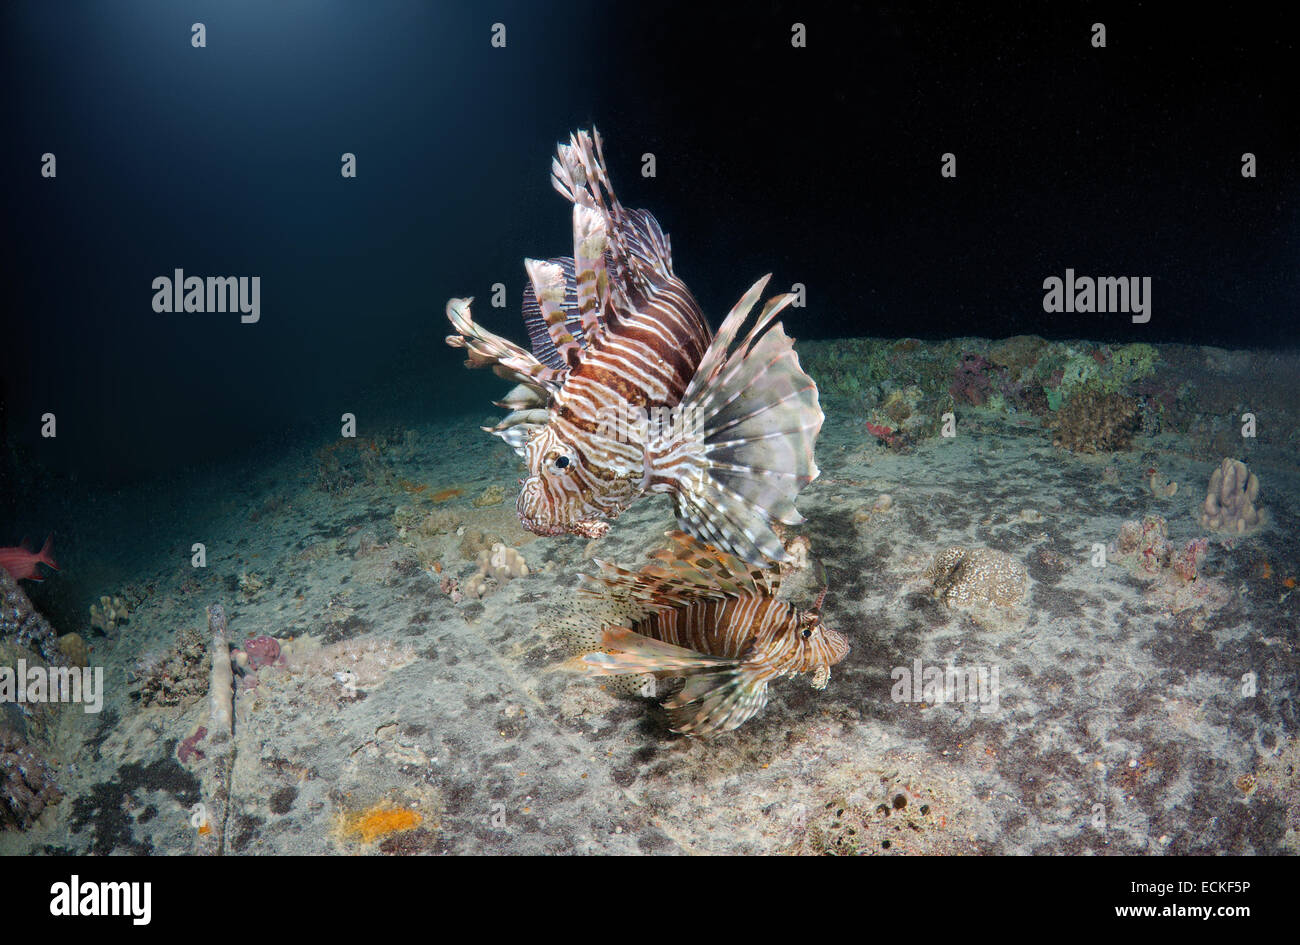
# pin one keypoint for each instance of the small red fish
(21, 563)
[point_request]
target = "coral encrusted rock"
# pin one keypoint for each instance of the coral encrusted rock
(21, 624)
(963, 577)
(26, 782)
(1095, 422)
(178, 676)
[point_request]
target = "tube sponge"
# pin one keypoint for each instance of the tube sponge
(221, 688)
(1230, 500)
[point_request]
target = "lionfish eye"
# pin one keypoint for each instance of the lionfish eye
(807, 632)
(561, 462)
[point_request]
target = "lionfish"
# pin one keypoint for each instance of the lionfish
(627, 392)
(697, 611)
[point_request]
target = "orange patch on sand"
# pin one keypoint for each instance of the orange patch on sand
(446, 494)
(380, 822)
(1289, 582)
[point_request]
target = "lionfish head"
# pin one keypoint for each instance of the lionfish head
(556, 498)
(819, 645)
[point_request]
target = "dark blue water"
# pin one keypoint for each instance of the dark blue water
(818, 164)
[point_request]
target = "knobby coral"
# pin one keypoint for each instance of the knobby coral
(108, 614)
(1230, 500)
(498, 565)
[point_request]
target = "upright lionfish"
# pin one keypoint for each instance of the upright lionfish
(698, 612)
(627, 392)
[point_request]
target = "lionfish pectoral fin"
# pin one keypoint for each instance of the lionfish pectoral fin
(506, 358)
(517, 428)
(759, 418)
(714, 702)
(630, 652)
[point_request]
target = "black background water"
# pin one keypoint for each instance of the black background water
(820, 165)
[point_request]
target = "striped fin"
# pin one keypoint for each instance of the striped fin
(591, 278)
(521, 397)
(506, 358)
(720, 694)
(685, 572)
(629, 652)
(714, 702)
(639, 250)
(539, 336)
(760, 417)
(549, 282)
(640, 594)
(518, 428)
(648, 243)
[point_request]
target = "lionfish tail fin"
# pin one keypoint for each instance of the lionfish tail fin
(507, 359)
(713, 702)
(756, 415)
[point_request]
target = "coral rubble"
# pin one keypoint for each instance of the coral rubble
(177, 677)
(1172, 572)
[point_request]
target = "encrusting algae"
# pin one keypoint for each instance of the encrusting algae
(379, 822)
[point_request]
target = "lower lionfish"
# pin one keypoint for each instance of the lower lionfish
(627, 392)
(698, 612)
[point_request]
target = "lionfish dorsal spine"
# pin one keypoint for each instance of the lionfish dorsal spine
(590, 244)
(579, 173)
